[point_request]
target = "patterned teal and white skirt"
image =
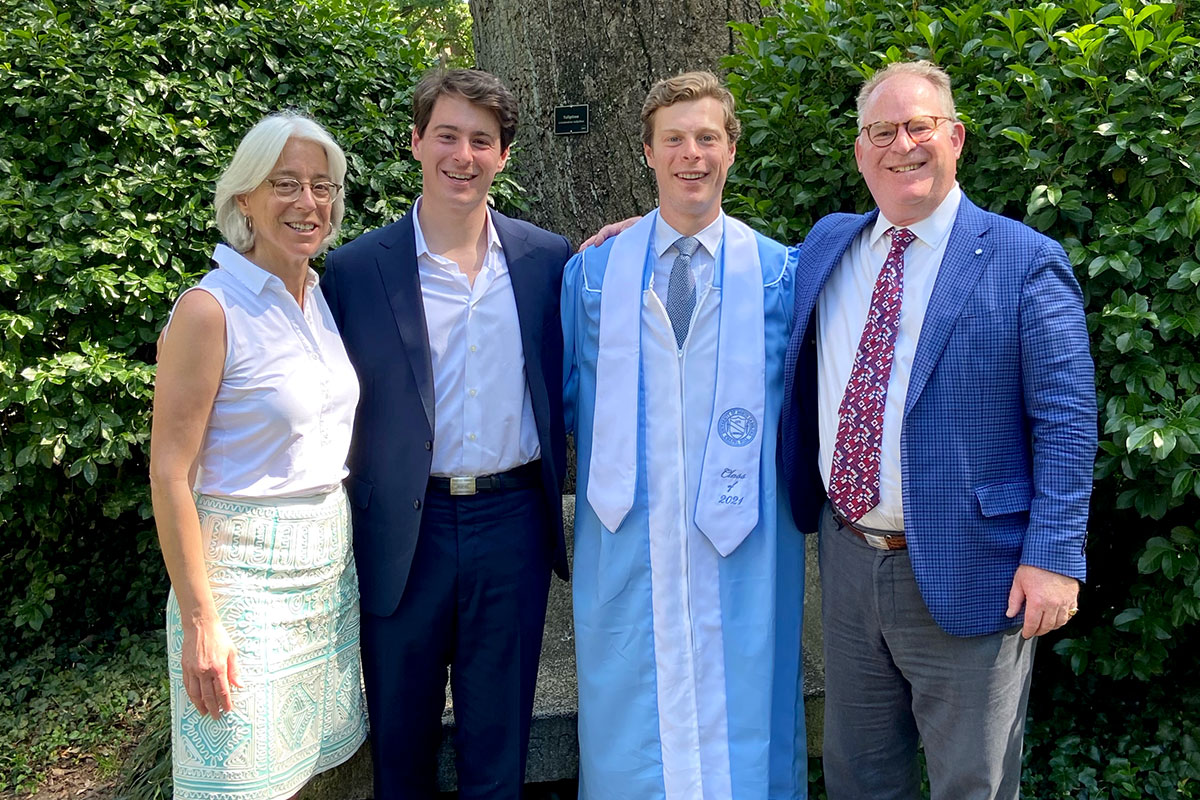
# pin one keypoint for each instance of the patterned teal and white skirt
(283, 579)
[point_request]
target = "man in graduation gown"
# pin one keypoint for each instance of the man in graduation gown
(689, 573)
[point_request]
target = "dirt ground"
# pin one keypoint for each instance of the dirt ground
(77, 782)
(84, 782)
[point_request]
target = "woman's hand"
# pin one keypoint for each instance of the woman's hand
(210, 667)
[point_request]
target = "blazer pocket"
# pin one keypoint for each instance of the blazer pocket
(976, 309)
(1011, 497)
(359, 491)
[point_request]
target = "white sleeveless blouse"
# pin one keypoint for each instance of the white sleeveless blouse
(281, 421)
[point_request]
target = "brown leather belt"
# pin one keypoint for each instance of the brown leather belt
(880, 541)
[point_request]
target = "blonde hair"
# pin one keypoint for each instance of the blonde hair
(689, 86)
(920, 69)
(252, 163)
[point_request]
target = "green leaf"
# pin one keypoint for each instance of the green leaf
(1114, 152)
(1143, 435)
(1191, 220)
(1183, 482)
(1127, 616)
(1019, 136)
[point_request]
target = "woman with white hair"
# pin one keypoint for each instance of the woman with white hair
(253, 408)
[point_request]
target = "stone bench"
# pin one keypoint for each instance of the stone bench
(553, 749)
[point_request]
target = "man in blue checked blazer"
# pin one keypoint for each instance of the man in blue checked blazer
(939, 431)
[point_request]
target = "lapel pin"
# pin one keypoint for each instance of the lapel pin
(979, 251)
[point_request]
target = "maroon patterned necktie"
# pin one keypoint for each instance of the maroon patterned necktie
(854, 478)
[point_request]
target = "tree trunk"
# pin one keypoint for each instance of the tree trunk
(605, 54)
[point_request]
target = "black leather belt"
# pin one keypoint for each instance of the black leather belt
(880, 541)
(526, 476)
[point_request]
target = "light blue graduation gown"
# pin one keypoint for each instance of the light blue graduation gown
(723, 632)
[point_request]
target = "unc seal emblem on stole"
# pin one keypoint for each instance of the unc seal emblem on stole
(737, 427)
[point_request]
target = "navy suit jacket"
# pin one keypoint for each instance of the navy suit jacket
(374, 291)
(999, 426)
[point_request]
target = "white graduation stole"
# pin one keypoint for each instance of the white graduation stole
(727, 503)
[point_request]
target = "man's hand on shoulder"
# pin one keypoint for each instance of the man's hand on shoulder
(1050, 599)
(607, 232)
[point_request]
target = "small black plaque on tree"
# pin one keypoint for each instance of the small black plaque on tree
(570, 119)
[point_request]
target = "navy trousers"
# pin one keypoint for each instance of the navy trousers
(475, 602)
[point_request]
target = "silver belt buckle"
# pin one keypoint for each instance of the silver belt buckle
(462, 486)
(875, 540)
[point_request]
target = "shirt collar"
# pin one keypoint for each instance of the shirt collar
(249, 274)
(933, 229)
(710, 238)
(423, 247)
(311, 280)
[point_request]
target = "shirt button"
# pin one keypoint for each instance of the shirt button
(429, 445)
(473, 348)
(473, 393)
(471, 437)
(417, 504)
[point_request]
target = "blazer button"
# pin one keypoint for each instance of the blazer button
(429, 445)
(417, 504)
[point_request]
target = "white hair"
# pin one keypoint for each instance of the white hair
(920, 69)
(255, 158)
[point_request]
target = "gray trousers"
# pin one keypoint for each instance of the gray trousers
(893, 677)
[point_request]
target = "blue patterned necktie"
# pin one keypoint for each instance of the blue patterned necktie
(681, 289)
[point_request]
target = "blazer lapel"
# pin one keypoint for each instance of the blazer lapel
(398, 269)
(967, 253)
(528, 294)
(817, 261)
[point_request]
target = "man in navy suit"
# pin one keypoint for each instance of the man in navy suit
(451, 318)
(940, 394)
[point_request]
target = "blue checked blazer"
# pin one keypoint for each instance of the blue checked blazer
(999, 426)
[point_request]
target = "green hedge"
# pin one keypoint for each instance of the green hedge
(1086, 742)
(115, 120)
(1083, 120)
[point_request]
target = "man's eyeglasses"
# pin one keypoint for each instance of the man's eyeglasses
(920, 129)
(288, 189)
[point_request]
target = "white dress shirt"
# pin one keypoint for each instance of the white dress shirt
(704, 260)
(483, 415)
(280, 423)
(841, 315)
